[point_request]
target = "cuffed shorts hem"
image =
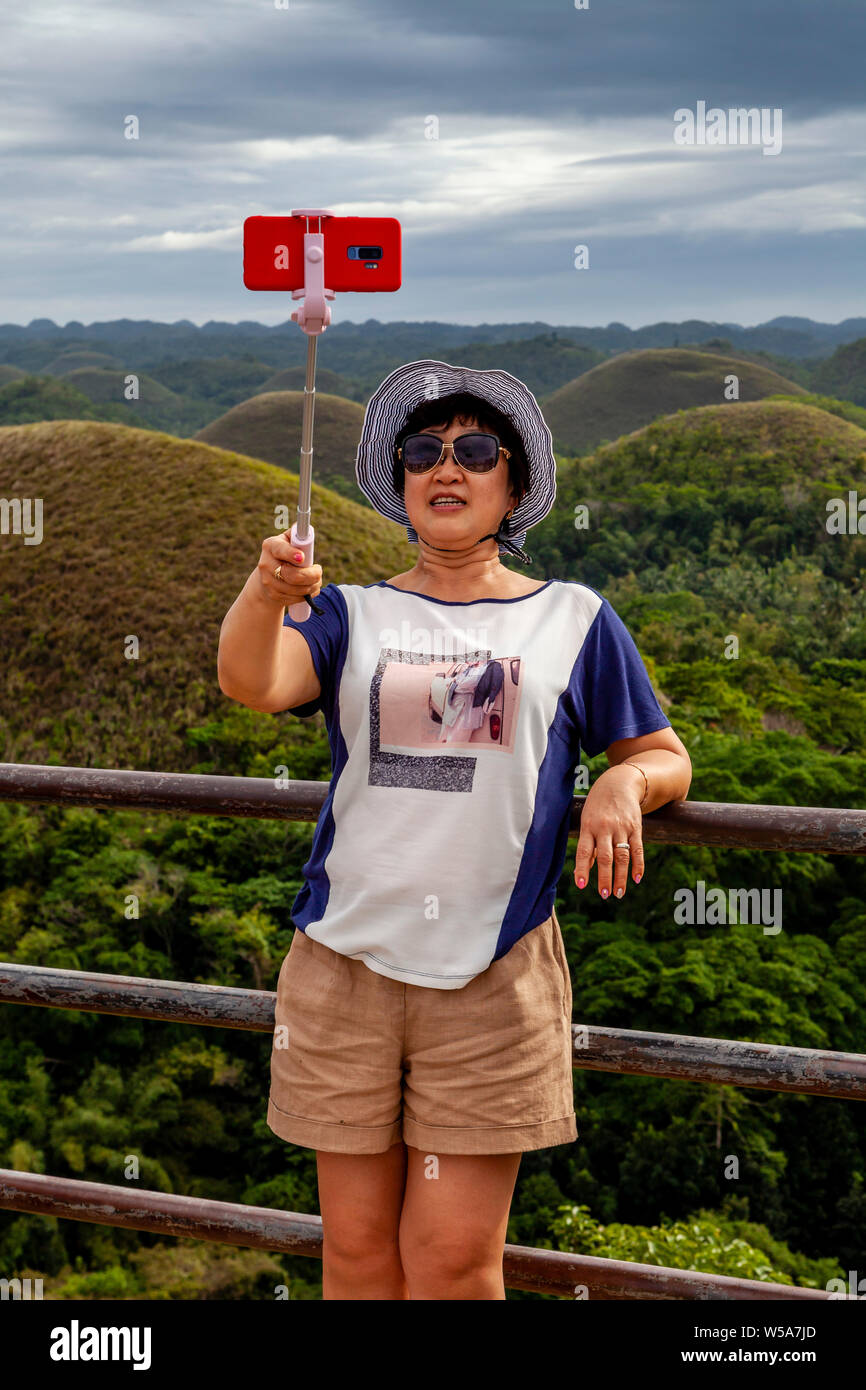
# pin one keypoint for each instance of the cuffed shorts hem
(332, 1137)
(498, 1139)
(443, 1139)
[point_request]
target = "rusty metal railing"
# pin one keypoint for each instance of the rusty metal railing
(718, 1061)
(812, 829)
(295, 1233)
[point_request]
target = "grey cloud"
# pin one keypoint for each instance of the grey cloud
(204, 75)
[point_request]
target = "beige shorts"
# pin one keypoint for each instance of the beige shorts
(364, 1061)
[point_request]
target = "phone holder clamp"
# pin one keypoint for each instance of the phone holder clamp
(314, 314)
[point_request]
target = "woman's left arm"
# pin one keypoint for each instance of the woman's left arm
(644, 773)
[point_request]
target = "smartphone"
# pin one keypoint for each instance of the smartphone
(362, 254)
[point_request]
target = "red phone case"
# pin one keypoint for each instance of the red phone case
(274, 253)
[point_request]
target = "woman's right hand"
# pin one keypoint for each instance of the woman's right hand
(296, 579)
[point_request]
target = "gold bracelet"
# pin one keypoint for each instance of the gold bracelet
(643, 775)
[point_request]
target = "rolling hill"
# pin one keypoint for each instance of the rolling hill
(636, 387)
(790, 368)
(220, 381)
(327, 383)
(544, 363)
(157, 407)
(153, 536)
(713, 521)
(237, 362)
(725, 503)
(764, 443)
(856, 414)
(75, 358)
(844, 373)
(268, 427)
(26, 400)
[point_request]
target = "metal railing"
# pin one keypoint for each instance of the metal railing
(718, 1061)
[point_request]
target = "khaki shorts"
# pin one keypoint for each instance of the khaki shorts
(365, 1061)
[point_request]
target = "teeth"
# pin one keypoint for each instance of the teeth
(448, 502)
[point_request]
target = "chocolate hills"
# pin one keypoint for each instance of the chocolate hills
(268, 426)
(634, 388)
(721, 508)
(150, 537)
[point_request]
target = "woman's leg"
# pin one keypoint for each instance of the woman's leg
(455, 1216)
(360, 1198)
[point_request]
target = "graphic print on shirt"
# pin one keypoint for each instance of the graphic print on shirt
(421, 704)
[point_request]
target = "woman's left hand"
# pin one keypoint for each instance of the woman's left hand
(610, 815)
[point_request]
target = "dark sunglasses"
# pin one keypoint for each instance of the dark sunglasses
(476, 452)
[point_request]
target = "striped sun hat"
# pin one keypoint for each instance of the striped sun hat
(409, 386)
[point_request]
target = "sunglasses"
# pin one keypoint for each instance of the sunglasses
(476, 452)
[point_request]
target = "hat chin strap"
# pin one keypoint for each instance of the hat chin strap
(491, 535)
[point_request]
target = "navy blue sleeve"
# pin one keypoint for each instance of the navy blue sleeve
(326, 635)
(612, 693)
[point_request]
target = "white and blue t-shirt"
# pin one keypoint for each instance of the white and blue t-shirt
(455, 730)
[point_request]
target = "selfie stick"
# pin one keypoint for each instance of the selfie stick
(313, 316)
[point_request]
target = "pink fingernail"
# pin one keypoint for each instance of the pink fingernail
(297, 557)
(638, 877)
(581, 882)
(604, 892)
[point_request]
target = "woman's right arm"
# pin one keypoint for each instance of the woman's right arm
(260, 662)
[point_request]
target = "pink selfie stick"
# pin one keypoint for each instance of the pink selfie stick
(313, 315)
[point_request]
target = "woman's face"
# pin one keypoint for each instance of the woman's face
(484, 498)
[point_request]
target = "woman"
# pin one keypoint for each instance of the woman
(423, 1036)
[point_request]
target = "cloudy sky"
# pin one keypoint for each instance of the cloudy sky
(555, 129)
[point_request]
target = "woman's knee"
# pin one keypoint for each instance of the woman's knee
(449, 1255)
(358, 1241)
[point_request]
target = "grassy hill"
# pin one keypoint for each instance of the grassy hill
(713, 521)
(856, 414)
(791, 368)
(636, 387)
(327, 383)
(844, 373)
(775, 443)
(220, 382)
(543, 363)
(268, 427)
(183, 396)
(76, 358)
(157, 406)
(177, 397)
(148, 535)
(27, 400)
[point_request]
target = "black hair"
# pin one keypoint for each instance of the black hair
(464, 406)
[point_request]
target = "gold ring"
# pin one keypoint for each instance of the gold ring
(623, 844)
(277, 571)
